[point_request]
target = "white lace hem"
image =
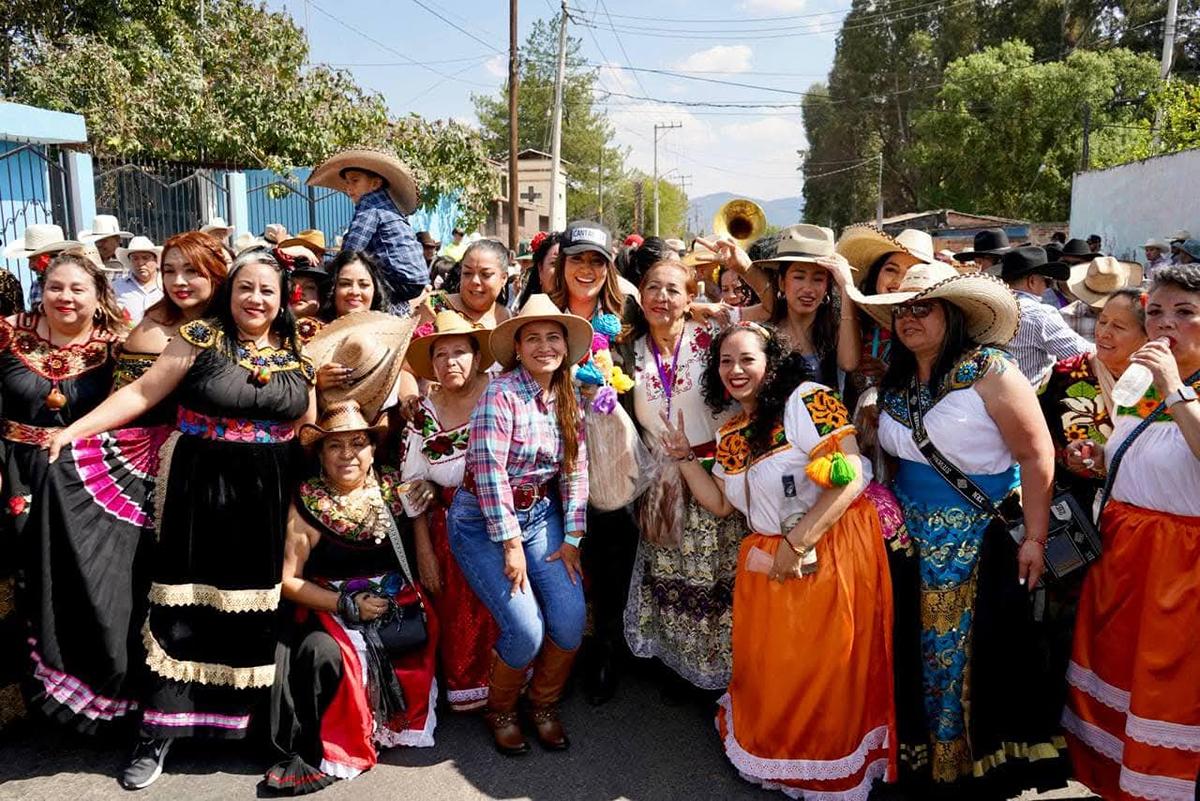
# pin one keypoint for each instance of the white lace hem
(1157, 788)
(413, 738)
(1086, 681)
(339, 770)
(765, 769)
(467, 699)
(1094, 737)
(875, 771)
(1163, 733)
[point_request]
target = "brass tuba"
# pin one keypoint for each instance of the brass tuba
(742, 220)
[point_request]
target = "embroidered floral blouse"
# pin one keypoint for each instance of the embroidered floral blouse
(432, 452)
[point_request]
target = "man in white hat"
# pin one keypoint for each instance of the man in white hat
(1156, 255)
(384, 194)
(140, 287)
(106, 235)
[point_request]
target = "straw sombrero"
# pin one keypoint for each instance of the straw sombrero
(447, 324)
(862, 245)
(34, 238)
(400, 184)
(373, 344)
(539, 307)
(342, 417)
(988, 304)
(1093, 281)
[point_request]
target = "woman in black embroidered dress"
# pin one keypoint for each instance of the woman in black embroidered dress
(55, 366)
(220, 508)
(338, 695)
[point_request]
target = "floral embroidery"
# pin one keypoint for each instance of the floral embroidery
(233, 429)
(1076, 433)
(50, 362)
(827, 411)
(205, 334)
(733, 444)
(445, 444)
(354, 517)
(130, 367)
(307, 328)
(973, 366)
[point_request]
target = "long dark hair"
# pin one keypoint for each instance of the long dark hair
(284, 324)
(824, 327)
(786, 370)
(955, 344)
(379, 299)
(533, 278)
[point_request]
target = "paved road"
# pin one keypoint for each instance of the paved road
(635, 747)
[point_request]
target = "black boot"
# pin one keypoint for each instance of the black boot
(600, 671)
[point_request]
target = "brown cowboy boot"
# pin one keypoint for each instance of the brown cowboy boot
(501, 713)
(550, 672)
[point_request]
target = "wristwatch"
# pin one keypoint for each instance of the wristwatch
(1184, 394)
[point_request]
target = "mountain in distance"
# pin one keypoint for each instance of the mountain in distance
(780, 212)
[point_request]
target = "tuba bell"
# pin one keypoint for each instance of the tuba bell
(742, 220)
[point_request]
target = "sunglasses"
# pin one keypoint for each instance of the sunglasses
(917, 311)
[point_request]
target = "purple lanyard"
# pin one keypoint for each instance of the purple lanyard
(668, 385)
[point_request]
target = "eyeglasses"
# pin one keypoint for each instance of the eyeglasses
(917, 311)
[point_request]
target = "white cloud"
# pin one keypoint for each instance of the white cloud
(497, 66)
(723, 58)
(773, 6)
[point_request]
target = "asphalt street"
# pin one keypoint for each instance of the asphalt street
(636, 747)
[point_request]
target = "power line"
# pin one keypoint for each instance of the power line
(403, 63)
(457, 27)
(620, 44)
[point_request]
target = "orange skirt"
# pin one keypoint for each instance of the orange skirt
(810, 707)
(1133, 709)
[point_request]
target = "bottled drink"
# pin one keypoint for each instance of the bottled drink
(1132, 385)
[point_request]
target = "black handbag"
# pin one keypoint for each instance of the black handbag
(404, 627)
(1072, 541)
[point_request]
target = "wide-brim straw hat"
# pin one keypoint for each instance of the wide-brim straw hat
(537, 309)
(373, 345)
(104, 226)
(139, 244)
(215, 225)
(862, 245)
(989, 306)
(1093, 281)
(33, 238)
(342, 417)
(400, 184)
(59, 247)
(800, 243)
(447, 324)
(312, 238)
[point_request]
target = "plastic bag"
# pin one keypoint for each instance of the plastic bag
(662, 508)
(614, 461)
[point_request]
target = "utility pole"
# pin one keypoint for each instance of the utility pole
(639, 198)
(684, 181)
(514, 191)
(1168, 55)
(600, 184)
(556, 123)
(1086, 156)
(659, 126)
(879, 194)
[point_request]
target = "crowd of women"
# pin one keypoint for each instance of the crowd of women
(825, 496)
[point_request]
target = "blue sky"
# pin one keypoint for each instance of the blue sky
(784, 45)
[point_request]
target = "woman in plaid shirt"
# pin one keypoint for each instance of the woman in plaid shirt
(516, 524)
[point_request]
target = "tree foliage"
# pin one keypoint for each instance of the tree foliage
(893, 63)
(151, 80)
(620, 203)
(586, 135)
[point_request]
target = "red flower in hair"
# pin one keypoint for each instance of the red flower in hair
(40, 262)
(1144, 298)
(537, 240)
(297, 295)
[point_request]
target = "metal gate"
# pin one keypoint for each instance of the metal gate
(33, 189)
(285, 199)
(158, 198)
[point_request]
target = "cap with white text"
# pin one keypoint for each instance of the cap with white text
(584, 235)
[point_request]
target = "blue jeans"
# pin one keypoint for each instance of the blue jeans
(555, 606)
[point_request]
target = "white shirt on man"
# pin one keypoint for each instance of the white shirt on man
(135, 298)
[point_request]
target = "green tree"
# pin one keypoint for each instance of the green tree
(236, 90)
(586, 135)
(620, 203)
(1004, 135)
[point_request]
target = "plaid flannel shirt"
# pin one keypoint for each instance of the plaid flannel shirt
(1043, 338)
(515, 439)
(380, 229)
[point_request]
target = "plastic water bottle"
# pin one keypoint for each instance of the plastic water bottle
(1132, 385)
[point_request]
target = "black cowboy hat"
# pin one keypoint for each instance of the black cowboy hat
(1077, 248)
(1031, 259)
(988, 242)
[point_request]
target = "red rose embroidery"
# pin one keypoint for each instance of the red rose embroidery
(17, 505)
(703, 339)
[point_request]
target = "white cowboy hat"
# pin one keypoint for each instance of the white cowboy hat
(539, 307)
(214, 225)
(103, 226)
(447, 324)
(1093, 281)
(88, 249)
(35, 237)
(247, 240)
(862, 245)
(800, 243)
(400, 184)
(1182, 235)
(988, 304)
(1155, 243)
(139, 244)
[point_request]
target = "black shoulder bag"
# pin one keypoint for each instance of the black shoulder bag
(1072, 541)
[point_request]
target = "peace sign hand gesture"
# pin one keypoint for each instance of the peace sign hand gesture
(727, 253)
(674, 440)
